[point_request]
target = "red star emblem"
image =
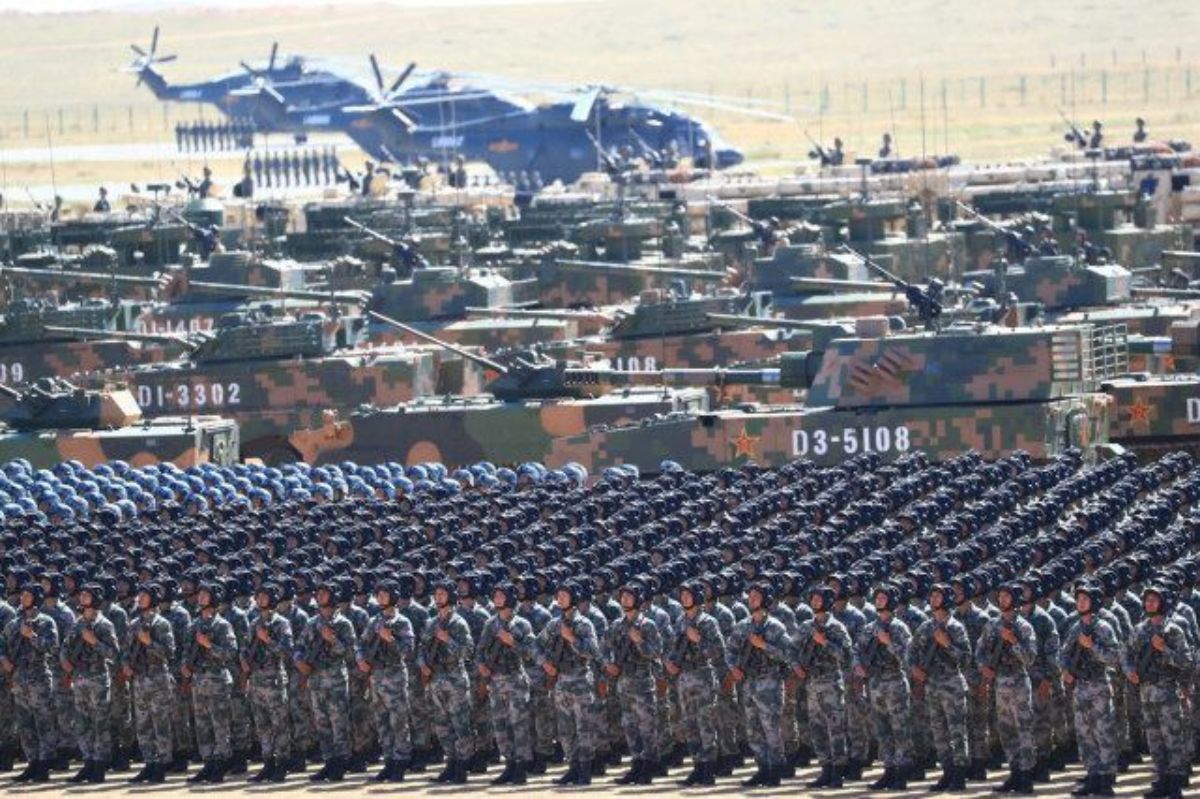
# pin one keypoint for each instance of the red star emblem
(744, 444)
(1139, 412)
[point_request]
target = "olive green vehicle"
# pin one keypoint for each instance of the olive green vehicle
(53, 421)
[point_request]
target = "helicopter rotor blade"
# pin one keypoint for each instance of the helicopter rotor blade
(377, 72)
(139, 51)
(154, 42)
(399, 81)
(274, 52)
(165, 59)
(249, 68)
(582, 110)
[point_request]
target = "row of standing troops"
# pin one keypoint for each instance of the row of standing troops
(651, 672)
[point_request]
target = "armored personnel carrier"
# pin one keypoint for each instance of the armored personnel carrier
(53, 420)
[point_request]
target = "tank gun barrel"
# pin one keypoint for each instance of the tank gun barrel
(837, 284)
(735, 212)
(1158, 291)
(412, 331)
(90, 333)
(538, 313)
(204, 287)
(666, 271)
(674, 377)
(9, 391)
(375, 234)
(740, 320)
(51, 275)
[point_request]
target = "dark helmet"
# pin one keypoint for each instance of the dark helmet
(765, 590)
(215, 593)
(390, 589)
(891, 596)
(1015, 591)
(571, 588)
(36, 589)
(696, 589)
(636, 590)
(946, 592)
(152, 590)
(273, 593)
(97, 592)
(827, 595)
(1165, 597)
(1093, 591)
(509, 591)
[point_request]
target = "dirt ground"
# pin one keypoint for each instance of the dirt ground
(993, 75)
(1133, 783)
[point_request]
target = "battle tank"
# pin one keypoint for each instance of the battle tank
(53, 421)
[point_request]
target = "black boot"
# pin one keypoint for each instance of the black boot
(178, 764)
(42, 773)
(337, 770)
(835, 777)
(322, 773)
(1024, 786)
(158, 774)
(585, 773)
(447, 772)
(570, 776)
(238, 764)
(757, 778)
(478, 764)
(899, 779)
(884, 782)
(692, 776)
(1041, 770)
(1086, 786)
(957, 781)
(264, 774)
(1104, 785)
(27, 774)
(505, 776)
(82, 775)
(631, 777)
(143, 775)
(202, 774)
(1010, 783)
(98, 772)
(219, 770)
(120, 759)
(707, 773)
(650, 769)
(279, 771)
(461, 770)
(537, 765)
(853, 770)
(1158, 789)
(773, 778)
(520, 773)
(943, 784)
(822, 780)
(723, 767)
(977, 771)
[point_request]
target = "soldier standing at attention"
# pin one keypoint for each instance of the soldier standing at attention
(885, 150)
(472, 586)
(30, 641)
(937, 655)
(823, 651)
(1140, 135)
(696, 653)
(879, 660)
(1089, 649)
(446, 648)
(265, 661)
(567, 647)
(210, 651)
(149, 657)
(1005, 651)
(1096, 141)
(8, 730)
(632, 648)
(758, 653)
(321, 656)
(504, 645)
(387, 643)
(65, 719)
(102, 206)
(1157, 661)
(540, 687)
(89, 654)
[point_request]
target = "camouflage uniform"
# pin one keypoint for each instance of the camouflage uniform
(90, 667)
(508, 685)
(945, 688)
(266, 664)
(858, 707)
(362, 728)
(697, 680)
(920, 736)
(449, 686)
(825, 668)
(481, 725)
(545, 726)
(762, 687)
(1092, 690)
(299, 697)
(66, 722)
(153, 685)
(241, 728)
(32, 687)
(729, 714)
(1011, 684)
(208, 669)
(389, 681)
(8, 737)
(183, 731)
(1044, 672)
(329, 683)
(887, 689)
(636, 683)
(1160, 676)
(122, 703)
(420, 710)
(574, 688)
(979, 725)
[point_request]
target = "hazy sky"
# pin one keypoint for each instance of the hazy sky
(60, 6)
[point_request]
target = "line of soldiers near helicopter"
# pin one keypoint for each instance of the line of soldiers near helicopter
(938, 660)
(203, 137)
(836, 156)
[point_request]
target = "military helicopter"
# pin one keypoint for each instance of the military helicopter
(235, 93)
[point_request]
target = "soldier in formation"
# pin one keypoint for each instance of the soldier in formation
(916, 613)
